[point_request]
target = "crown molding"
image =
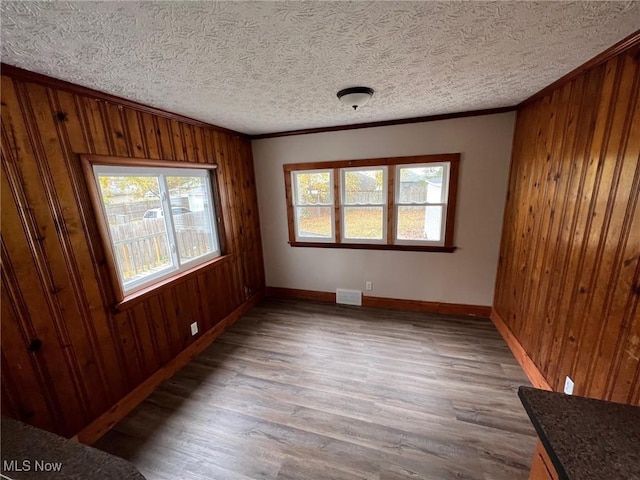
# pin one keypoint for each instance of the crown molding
(21, 74)
(385, 123)
(628, 43)
(623, 45)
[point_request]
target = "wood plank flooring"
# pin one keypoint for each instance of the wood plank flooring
(304, 390)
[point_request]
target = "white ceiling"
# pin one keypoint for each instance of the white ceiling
(260, 67)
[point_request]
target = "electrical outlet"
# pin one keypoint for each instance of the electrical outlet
(568, 386)
(369, 286)
(194, 328)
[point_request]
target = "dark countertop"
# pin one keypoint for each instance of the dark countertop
(31, 453)
(586, 438)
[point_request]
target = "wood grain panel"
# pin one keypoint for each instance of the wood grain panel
(541, 466)
(107, 420)
(61, 85)
(55, 282)
(569, 271)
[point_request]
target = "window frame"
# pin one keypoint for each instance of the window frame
(452, 160)
(125, 298)
(445, 205)
(330, 205)
(384, 205)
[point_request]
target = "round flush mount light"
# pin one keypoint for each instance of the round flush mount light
(355, 96)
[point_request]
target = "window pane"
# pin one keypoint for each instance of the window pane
(364, 186)
(313, 188)
(421, 184)
(137, 226)
(419, 223)
(314, 222)
(364, 223)
(191, 210)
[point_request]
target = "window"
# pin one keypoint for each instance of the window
(364, 204)
(405, 203)
(421, 202)
(313, 205)
(156, 221)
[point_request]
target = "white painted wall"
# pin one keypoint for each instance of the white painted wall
(465, 276)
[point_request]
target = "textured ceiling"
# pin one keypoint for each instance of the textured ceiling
(260, 67)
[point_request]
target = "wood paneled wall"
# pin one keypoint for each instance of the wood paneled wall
(569, 272)
(55, 285)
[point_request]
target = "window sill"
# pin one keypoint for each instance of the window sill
(376, 246)
(134, 298)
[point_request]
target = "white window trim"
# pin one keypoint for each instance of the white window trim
(177, 265)
(444, 195)
(384, 205)
(332, 206)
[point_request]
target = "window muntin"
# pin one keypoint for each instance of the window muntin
(417, 213)
(364, 204)
(313, 205)
(421, 194)
(168, 226)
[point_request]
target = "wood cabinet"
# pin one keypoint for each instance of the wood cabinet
(541, 466)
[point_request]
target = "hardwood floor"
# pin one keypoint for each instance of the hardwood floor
(304, 390)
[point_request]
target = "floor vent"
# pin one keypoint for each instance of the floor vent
(349, 297)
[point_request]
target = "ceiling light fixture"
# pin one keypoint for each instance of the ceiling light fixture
(355, 96)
